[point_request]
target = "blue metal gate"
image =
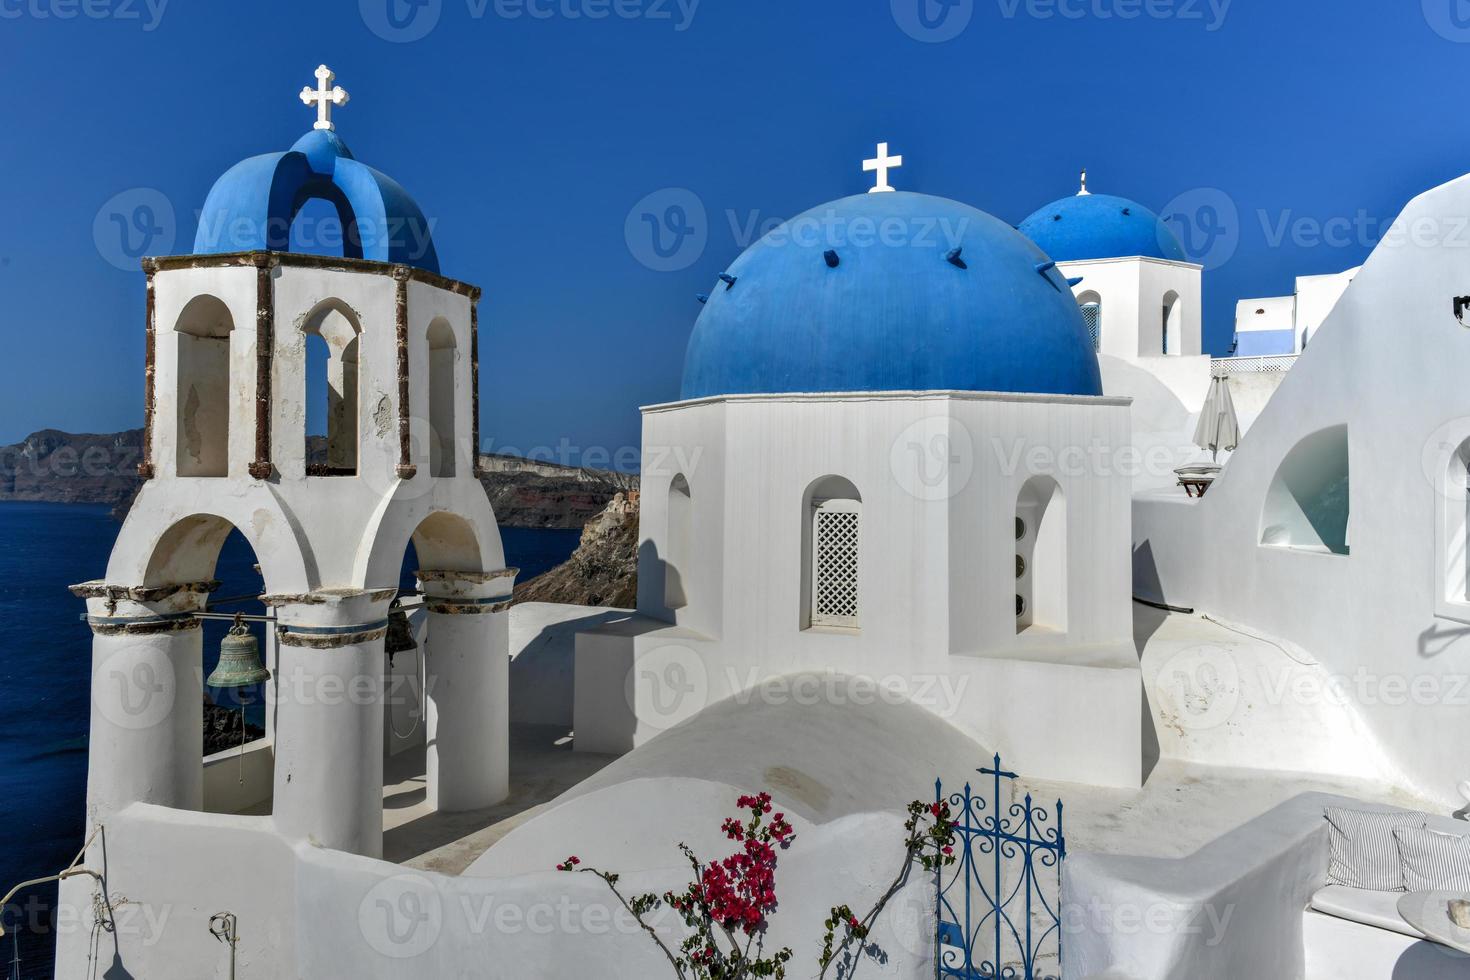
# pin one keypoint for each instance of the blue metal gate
(996, 919)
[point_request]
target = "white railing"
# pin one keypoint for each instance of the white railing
(1224, 367)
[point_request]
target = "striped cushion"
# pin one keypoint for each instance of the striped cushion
(1364, 851)
(1433, 861)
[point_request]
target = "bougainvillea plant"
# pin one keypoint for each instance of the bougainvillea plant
(726, 904)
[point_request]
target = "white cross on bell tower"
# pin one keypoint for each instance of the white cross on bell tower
(882, 163)
(325, 95)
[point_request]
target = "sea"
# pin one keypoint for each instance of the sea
(45, 657)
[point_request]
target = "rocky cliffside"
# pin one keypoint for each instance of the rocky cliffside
(222, 728)
(69, 468)
(529, 493)
(64, 467)
(603, 571)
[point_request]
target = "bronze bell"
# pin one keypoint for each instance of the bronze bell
(400, 634)
(239, 659)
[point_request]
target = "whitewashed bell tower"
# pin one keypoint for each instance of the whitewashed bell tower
(226, 446)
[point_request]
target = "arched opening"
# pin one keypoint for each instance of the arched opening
(678, 553)
(1041, 557)
(323, 224)
(1091, 304)
(1308, 503)
(831, 529)
(1171, 340)
(1456, 495)
(442, 398)
(430, 695)
(202, 402)
(446, 542)
(331, 334)
(237, 749)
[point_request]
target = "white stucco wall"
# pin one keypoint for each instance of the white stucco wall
(1377, 618)
(1133, 292)
(1316, 296)
(309, 912)
(939, 476)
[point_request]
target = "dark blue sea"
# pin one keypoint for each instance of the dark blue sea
(45, 654)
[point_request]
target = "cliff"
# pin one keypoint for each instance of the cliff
(530, 493)
(222, 728)
(68, 468)
(71, 468)
(603, 571)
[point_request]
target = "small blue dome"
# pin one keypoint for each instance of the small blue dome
(251, 207)
(865, 294)
(1100, 226)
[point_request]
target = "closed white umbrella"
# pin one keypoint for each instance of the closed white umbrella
(1218, 427)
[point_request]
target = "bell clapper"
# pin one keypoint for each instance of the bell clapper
(240, 629)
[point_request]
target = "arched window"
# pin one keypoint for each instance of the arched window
(1041, 557)
(331, 389)
(202, 405)
(1171, 339)
(1456, 497)
(1308, 503)
(832, 529)
(678, 542)
(1091, 304)
(442, 397)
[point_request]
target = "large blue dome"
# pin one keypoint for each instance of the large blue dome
(862, 295)
(1100, 226)
(251, 206)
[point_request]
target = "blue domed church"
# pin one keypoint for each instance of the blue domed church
(1139, 293)
(874, 468)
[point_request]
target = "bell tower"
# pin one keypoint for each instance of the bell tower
(330, 517)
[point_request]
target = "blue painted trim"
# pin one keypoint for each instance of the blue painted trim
(334, 630)
(134, 620)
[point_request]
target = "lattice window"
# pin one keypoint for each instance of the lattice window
(835, 563)
(1092, 317)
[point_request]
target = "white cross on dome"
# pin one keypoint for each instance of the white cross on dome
(882, 163)
(325, 95)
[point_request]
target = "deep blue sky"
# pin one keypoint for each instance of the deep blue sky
(529, 140)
